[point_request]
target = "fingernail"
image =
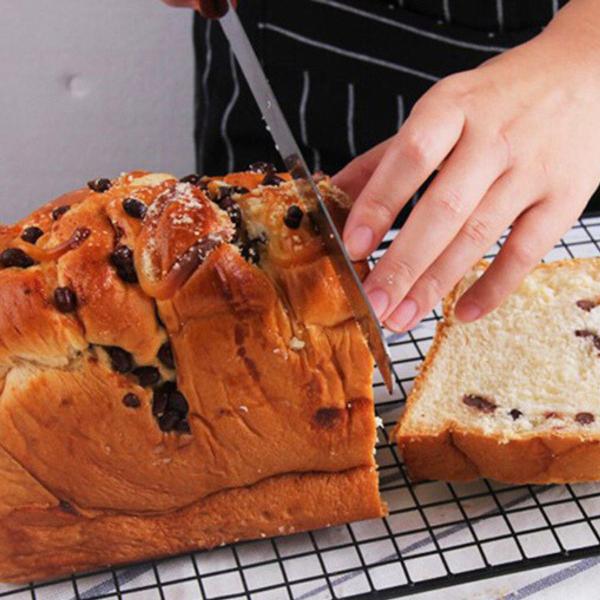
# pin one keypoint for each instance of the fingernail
(359, 242)
(403, 315)
(468, 312)
(379, 301)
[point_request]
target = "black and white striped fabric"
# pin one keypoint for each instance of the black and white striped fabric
(346, 72)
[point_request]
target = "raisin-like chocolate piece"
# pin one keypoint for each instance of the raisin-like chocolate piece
(168, 421)
(192, 178)
(134, 208)
(583, 333)
(177, 403)
(479, 402)
(15, 257)
(31, 234)
(233, 210)
(160, 397)
(293, 217)
(584, 418)
(147, 376)
(59, 211)
(65, 299)
(272, 179)
(120, 360)
(250, 251)
(100, 185)
(131, 401)
(165, 355)
(586, 305)
(515, 413)
(262, 167)
(122, 260)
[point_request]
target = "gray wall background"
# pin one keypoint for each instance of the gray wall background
(89, 89)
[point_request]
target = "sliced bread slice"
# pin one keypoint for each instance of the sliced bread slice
(514, 396)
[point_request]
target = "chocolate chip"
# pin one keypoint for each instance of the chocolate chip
(15, 257)
(586, 305)
(584, 418)
(515, 413)
(160, 397)
(134, 208)
(583, 333)
(479, 402)
(272, 179)
(233, 210)
(131, 401)
(262, 167)
(31, 234)
(168, 421)
(59, 211)
(100, 185)
(293, 217)
(183, 426)
(177, 403)
(250, 251)
(120, 360)
(80, 234)
(122, 260)
(65, 299)
(147, 376)
(193, 178)
(165, 355)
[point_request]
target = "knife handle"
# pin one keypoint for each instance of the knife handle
(214, 9)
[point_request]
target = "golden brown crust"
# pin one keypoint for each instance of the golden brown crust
(460, 454)
(277, 428)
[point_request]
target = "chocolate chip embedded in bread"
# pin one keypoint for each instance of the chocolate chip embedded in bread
(165, 355)
(160, 397)
(59, 211)
(272, 179)
(15, 257)
(134, 208)
(122, 260)
(479, 402)
(31, 234)
(293, 217)
(120, 360)
(147, 376)
(168, 421)
(65, 299)
(584, 418)
(250, 251)
(586, 305)
(183, 426)
(192, 178)
(327, 418)
(100, 185)
(177, 403)
(515, 413)
(583, 333)
(131, 401)
(262, 167)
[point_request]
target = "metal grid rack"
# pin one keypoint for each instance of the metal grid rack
(436, 535)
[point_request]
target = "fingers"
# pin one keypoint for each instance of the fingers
(434, 222)
(354, 176)
(501, 205)
(532, 236)
(425, 139)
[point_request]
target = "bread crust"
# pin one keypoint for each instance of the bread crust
(267, 423)
(460, 454)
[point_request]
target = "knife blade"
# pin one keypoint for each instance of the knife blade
(306, 187)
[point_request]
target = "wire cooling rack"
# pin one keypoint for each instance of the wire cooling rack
(436, 535)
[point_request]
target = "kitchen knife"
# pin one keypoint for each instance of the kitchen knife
(295, 164)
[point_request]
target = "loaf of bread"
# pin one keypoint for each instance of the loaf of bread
(514, 396)
(180, 370)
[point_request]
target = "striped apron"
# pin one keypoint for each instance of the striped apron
(346, 72)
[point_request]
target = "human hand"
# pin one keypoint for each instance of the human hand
(516, 141)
